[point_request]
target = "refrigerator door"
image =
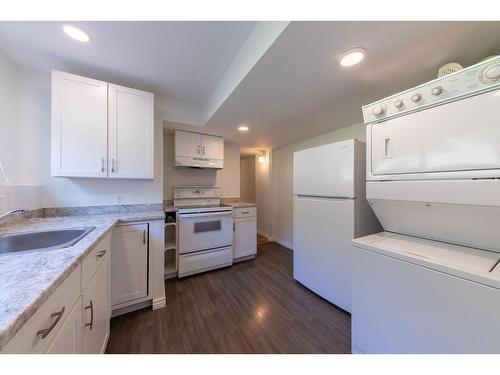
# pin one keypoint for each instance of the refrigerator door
(322, 234)
(325, 171)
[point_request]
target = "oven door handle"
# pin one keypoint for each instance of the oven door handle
(204, 214)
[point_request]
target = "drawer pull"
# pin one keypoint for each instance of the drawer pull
(245, 212)
(101, 253)
(91, 307)
(45, 332)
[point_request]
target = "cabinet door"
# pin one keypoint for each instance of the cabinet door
(96, 311)
(69, 337)
(129, 263)
(79, 126)
(131, 133)
(212, 147)
(245, 237)
(187, 144)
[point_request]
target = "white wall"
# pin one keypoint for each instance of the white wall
(8, 119)
(264, 195)
(283, 178)
(247, 179)
(27, 148)
(227, 179)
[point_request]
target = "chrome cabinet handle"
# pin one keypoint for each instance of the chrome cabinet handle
(102, 165)
(245, 212)
(91, 307)
(101, 253)
(198, 150)
(234, 226)
(144, 237)
(203, 150)
(58, 315)
(113, 169)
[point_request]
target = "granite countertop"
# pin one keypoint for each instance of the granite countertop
(242, 204)
(27, 279)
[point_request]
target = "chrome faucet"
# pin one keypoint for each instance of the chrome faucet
(4, 215)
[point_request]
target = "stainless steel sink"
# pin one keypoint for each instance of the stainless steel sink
(42, 240)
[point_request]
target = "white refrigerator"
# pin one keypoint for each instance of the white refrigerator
(329, 210)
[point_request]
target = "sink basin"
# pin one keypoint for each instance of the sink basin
(42, 240)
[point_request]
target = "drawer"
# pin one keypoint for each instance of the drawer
(245, 212)
(93, 260)
(206, 260)
(62, 300)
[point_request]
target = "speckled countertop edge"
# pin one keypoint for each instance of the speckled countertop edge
(28, 279)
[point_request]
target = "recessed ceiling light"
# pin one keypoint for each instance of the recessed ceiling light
(76, 33)
(352, 57)
(243, 128)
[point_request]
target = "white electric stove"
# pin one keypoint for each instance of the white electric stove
(205, 229)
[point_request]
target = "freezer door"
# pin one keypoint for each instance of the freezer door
(452, 138)
(326, 171)
(322, 234)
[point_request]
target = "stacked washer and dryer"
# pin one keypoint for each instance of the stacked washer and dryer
(430, 283)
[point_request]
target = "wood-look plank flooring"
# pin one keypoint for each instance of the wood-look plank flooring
(252, 307)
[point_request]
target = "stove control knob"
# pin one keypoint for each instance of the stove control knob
(398, 103)
(416, 98)
(437, 90)
(378, 110)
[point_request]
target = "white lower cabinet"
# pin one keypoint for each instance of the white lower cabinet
(129, 264)
(69, 337)
(244, 232)
(75, 318)
(96, 311)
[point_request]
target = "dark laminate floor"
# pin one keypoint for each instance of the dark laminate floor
(252, 307)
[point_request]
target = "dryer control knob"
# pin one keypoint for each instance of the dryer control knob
(416, 98)
(377, 111)
(492, 72)
(437, 90)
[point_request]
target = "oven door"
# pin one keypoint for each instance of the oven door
(203, 231)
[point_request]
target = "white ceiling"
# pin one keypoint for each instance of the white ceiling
(298, 90)
(181, 61)
(289, 89)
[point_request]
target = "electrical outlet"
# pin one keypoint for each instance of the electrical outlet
(120, 199)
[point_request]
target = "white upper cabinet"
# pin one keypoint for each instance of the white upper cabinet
(79, 126)
(131, 132)
(187, 144)
(100, 129)
(198, 150)
(212, 147)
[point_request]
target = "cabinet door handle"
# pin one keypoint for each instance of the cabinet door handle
(113, 168)
(203, 150)
(198, 150)
(144, 237)
(58, 315)
(102, 165)
(234, 226)
(101, 253)
(91, 307)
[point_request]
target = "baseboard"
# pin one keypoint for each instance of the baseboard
(159, 303)
(269, 237)
(287, 244)
(129, 308)
(243, 258)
